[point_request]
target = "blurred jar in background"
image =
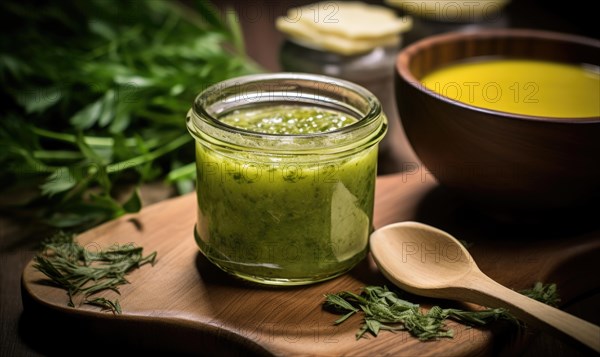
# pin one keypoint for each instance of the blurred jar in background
(352, 41)
(431, 17)
(373, 70)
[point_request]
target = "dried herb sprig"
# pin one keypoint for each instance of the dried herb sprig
(106, 304)
(545, 293)
(384, 310)
(80, 271)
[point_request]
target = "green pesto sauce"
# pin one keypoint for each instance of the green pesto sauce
(288, 120)
(285, 220)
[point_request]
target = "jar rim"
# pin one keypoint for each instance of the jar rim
(290, 88)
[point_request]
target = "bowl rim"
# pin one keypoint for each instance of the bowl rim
(406, 54)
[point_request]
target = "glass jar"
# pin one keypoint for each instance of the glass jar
(373, 70)
(285, 209)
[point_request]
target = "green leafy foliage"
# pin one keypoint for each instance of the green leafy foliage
(95, 97)
(382, 309)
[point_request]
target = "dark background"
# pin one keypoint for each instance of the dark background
(262, 39)
(19, 335)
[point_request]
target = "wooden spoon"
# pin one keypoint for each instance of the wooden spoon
(427, 261)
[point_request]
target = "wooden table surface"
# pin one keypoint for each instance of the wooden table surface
(19, 237)
(184, 304)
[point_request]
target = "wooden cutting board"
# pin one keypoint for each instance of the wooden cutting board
(184, 304)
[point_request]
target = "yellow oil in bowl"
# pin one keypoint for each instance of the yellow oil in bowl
(529, 87)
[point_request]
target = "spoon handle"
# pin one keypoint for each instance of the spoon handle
(486, 291)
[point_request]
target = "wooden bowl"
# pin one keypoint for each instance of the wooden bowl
(503, 160)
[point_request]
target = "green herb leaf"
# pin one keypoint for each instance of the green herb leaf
(134, 203)
(58, 181)
(37, 100)
(339, 303)
(88, 116)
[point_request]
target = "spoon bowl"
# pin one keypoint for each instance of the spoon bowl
(427, 261)
(436, 259)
